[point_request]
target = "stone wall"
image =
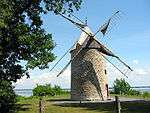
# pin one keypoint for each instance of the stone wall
(88, 76)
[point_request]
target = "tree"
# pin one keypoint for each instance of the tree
(58, 90)
(121, 87)
(23, 39)
(43, 90)
(7, 97)
(47, 90)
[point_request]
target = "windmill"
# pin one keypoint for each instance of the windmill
(88, 63)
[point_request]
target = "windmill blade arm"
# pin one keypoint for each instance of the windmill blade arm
(103, 29)
(79, 25)
(108, 52)
(76, 23)
(113, 55)
(125, 64)
(64, 68)
(59, 60)
(122, 62)
(84, 44)
(118, 58)
(63, 56)
(114, 66)
(101, 50)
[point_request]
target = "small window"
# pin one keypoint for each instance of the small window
(105, 71)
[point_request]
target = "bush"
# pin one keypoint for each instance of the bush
(134, 92)
(7, 97)
(121, 87)
(47, 90)
(146, 94)
(111, 92)
(57, 90)
(43, 90)
(20, 98)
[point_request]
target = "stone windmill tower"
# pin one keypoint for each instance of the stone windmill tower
(88, 64)
(88, 71)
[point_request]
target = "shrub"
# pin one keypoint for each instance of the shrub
(146, 94)
(20, 98)
(111, 92)
(7, 97)
(121, 87)
(134, 92)
(47, 90)
(57, 90)
(43, 90)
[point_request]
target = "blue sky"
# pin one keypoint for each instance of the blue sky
(130, 39)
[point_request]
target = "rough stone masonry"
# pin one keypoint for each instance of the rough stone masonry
(88, 76)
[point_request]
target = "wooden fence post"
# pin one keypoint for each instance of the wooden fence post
(80, 101)
(41, 105)
(117, 104)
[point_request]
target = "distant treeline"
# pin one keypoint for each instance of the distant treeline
(135, 87)
(67, 89)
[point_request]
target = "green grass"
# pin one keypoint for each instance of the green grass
(132, 96)
(30, 105)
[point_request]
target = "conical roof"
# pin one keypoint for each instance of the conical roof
(83, 37)
(94, 43)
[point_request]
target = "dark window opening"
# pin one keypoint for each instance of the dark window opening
(105, 71)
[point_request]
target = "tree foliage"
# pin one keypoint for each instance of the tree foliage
(7, 97)
(43, 90)
(47, 90)
(23, 39)
(121, 87)
(58, 90)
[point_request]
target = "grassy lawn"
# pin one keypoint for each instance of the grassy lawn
(132, 96)
(30, 105)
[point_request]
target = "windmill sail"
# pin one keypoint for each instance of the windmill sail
(63, 56)
(88, 67)
(85, 40)
(81, 26)
(86, 32)
(83, 45)
(101, 48)
(105, 27)
(115, 66)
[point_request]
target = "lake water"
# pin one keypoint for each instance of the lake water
(24, 92)
(28, 92)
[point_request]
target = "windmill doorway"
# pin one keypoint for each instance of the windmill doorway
(107, 89)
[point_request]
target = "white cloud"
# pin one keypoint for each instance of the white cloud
(135, 61)
(45, 78)
(141, 72)
(113, 74)
(140, 76)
